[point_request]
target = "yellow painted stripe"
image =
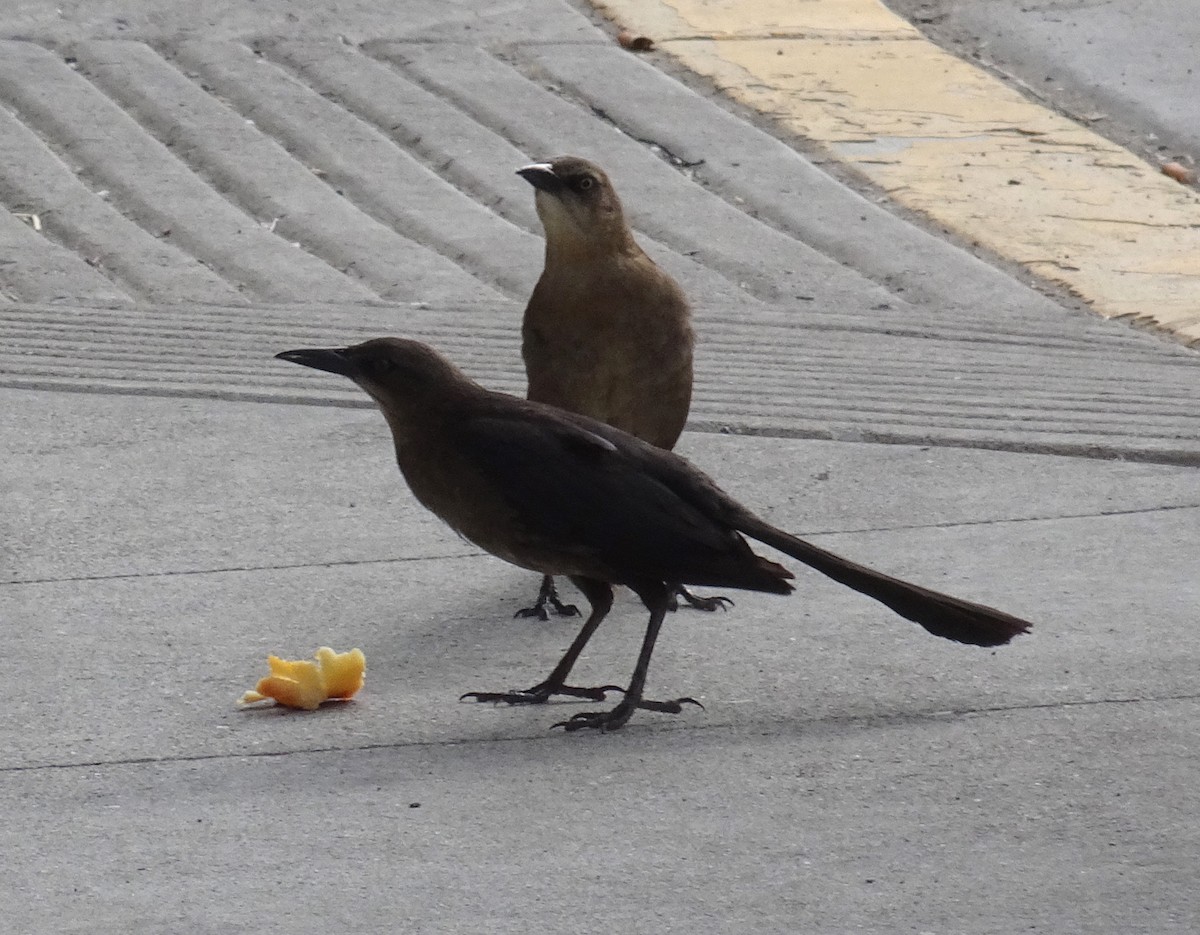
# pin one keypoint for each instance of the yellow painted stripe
(952, 141)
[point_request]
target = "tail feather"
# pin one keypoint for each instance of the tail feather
(942, 615)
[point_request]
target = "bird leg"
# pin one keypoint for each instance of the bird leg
(548, 594)
(716, 602)
(656, 598)
(599, 595)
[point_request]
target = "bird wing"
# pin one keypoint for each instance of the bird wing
(585, 487)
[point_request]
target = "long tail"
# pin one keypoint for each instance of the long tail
(940, 614)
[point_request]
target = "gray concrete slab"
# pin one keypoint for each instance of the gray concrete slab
(163, 196)
(849, 772)
(108, 486)
(995, 823)
(238, 167)
(355, 21)
(214, 533)
(364, 164)
(470, 156)
(35, 180)
(253, 170)
(34, 265)
(164, 528)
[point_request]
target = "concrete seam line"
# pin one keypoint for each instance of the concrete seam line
(862, 721)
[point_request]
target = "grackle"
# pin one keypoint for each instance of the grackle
(606, 333)
(564, 494)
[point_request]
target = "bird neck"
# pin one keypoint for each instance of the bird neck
(564, 251)
(420, 419)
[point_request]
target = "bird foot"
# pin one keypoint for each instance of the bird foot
(716, 602)
(542, 693)
(539, 610)
(616, 718)
(695, 601)
(548, 596)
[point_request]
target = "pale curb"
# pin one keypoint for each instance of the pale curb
(952, 141)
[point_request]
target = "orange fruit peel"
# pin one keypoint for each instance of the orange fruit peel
(305, 683)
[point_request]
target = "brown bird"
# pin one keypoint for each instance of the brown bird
(563, 494)
(606, 333)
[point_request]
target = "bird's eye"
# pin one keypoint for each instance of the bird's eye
(382, 365)
(586, 182)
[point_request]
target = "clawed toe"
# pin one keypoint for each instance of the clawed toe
(539, 610)
(716, 602)
(616, 718)
(600, 720)
(507, 697)
(674, 706)
(540, 694)
(710, 603)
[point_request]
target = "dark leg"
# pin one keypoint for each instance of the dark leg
(600, 596)
(548, 594)
(716, 602)
(656, 597)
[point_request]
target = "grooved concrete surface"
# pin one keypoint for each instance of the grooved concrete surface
(900, 376)
(372, 185)
(187, 189)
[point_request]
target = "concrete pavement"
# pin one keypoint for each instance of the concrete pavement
(1125, 68)
(948, 139)
(848, 773)
(217, 183)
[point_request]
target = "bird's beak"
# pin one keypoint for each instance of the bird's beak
(541, 176)
(331, 359)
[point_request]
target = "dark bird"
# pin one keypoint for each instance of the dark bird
(606, 333)
(563, 494)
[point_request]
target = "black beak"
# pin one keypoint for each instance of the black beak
(332, 359)
(541, 176)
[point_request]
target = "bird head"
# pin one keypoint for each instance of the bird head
(579, 208)
(397, 373)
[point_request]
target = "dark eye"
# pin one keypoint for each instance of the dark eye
(382, 365)
(586, 182)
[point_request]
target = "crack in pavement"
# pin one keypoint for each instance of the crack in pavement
(812, 534)
(547, 736)
(241, 569)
